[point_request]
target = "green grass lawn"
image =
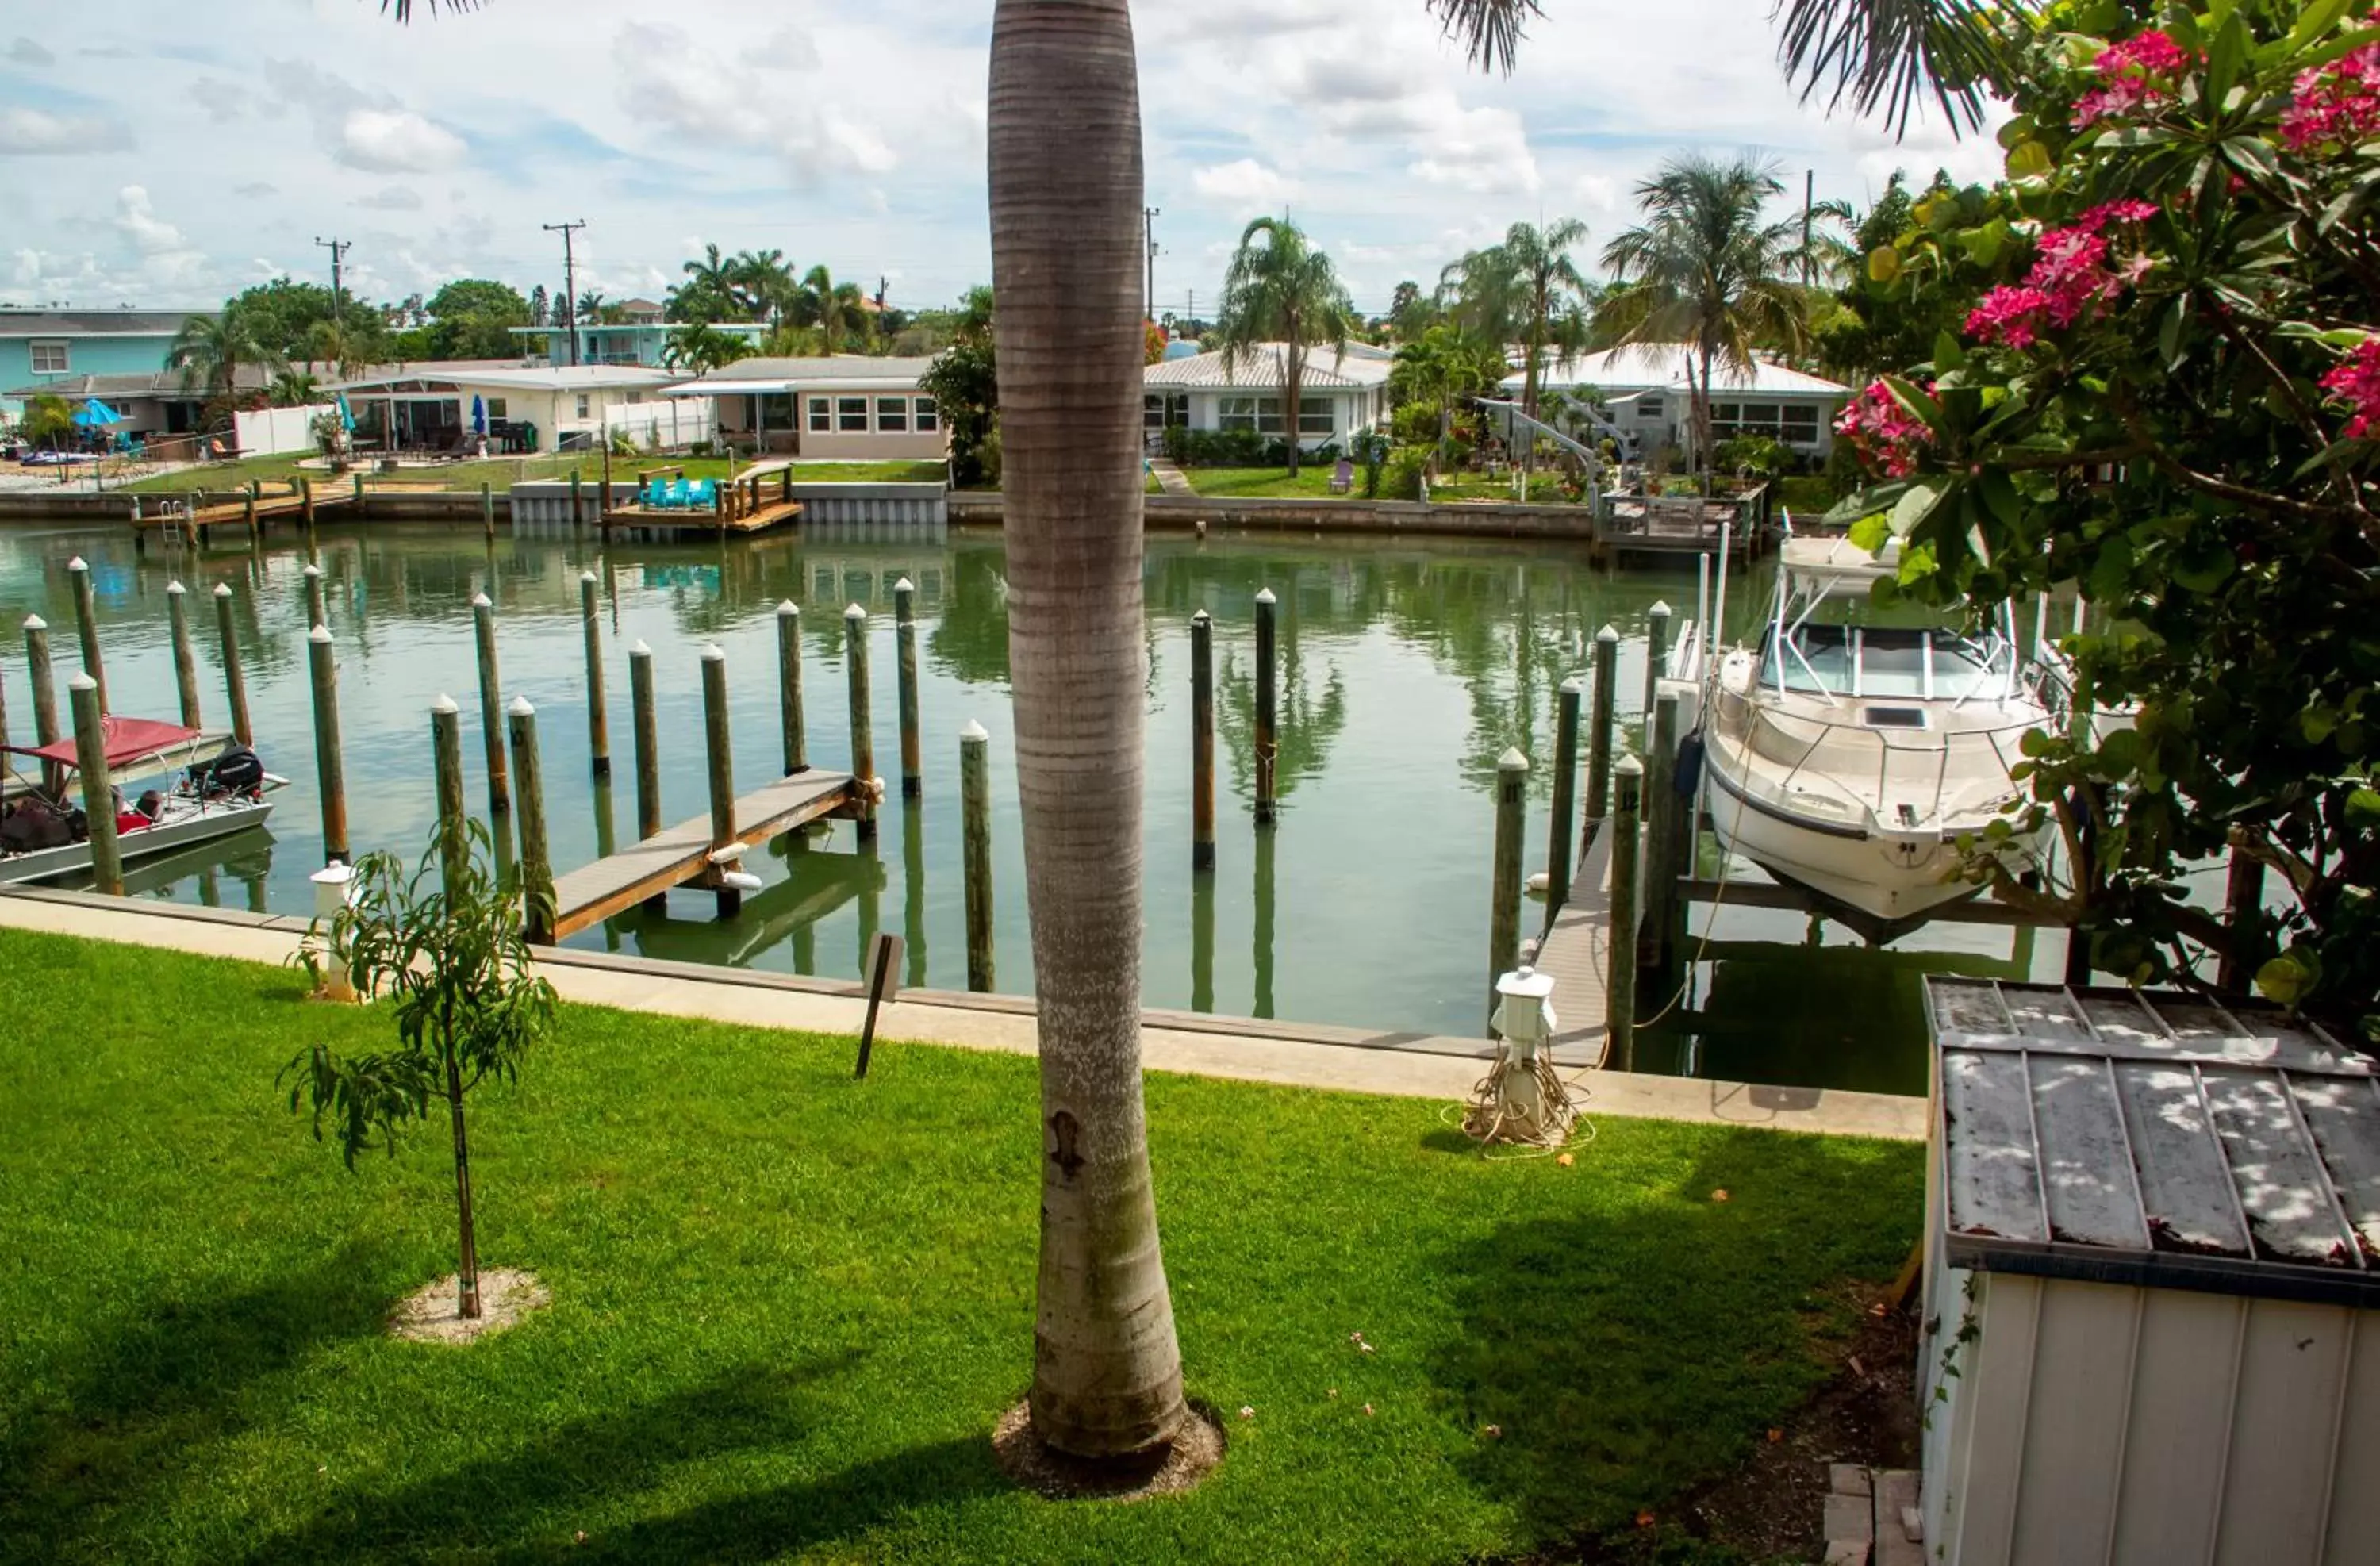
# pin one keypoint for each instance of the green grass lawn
(789, 1305)
(1312, 482)
(504, 472)
(1544, 489)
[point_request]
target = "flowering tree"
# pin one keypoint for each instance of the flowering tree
(2166, 394)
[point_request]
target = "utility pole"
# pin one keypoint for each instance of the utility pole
(1149, 216)
(569, 277)
(338, 248)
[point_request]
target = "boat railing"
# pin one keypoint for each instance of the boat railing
(1940, 747)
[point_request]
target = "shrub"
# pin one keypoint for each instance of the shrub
(1402, 479)
(1757, 457)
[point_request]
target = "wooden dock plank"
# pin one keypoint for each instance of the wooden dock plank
(1577, 953)
(609, 886)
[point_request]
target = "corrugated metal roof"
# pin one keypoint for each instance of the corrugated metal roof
(508, 374)
(2159, 1141)
(1262, 369)
(135, 384)
(94, 322)
(1665, 367)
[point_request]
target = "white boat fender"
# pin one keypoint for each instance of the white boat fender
(740, 881)
(1689, 775)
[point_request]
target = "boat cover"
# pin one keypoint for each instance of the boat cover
(129, 740)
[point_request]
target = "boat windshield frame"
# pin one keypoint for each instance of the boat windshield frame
(1993, 655)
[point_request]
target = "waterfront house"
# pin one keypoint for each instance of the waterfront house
(1342, 394)
(640, 338)
(48, 350)
(850, 407)
(1647, 390)
(153, 403)
(427, 407)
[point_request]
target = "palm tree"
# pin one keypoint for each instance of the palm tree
(1708, 270)
(1522, 290)
(295, 388)
(209, 350)
(1282, 290)
(1442, 368)
(764, 284)
(1869, 54)
(702, 349)
(833, 307)
(1066, 249)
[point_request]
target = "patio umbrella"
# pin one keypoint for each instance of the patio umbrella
(347, 415)
(479, 416)
(93, 413)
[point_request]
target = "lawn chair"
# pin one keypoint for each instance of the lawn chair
(703, 495)
(656, 495)
(1342, 477)
(680, 496)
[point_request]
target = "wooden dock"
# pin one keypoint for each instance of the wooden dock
(1577, 952)
(683, 855)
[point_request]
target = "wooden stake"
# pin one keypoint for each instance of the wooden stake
(537, 865)
(46, 689)
(1599, 724)
(789, 687)
(975, 813)
(487, 510)
(98, 789)
(578, 506)
(862, 737)
(234, 682)
(186, 662)
(306, 506)
(1511, 819)
(1202, 741)
(720, 764)
(648, 746)
(446, 756)
(316, 614)
(599, 715)
(1657, 652)
(1619, 975)
(330, 767)
(1662, 811)
(87, 628)
(1267, 737)
(1560, 850)
(905, 638)
(492, 722)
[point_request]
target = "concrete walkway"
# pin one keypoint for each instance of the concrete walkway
(1169, 478)
(1340, 1060)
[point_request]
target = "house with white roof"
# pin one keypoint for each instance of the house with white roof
(1648, 389)
(427, 407)
(1341, 394)
(858, 408)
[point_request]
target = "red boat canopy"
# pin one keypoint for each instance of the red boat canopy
(129, 740)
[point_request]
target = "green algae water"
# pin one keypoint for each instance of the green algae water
(1406, 669)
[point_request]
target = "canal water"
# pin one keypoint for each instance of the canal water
(1407, 668)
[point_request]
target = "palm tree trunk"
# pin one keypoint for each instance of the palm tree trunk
(1293, 397)
(1066, 241)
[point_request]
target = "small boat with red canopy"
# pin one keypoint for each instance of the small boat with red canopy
(200, 786)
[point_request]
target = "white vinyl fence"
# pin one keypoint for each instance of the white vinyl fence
(276, 431)
(667, 424)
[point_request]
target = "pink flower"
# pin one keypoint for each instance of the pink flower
(2335, 105)
(2134, 74)
(2357, 383)
(2076, 276)
(2008, 315)
(1880, 432)
(2127, 211)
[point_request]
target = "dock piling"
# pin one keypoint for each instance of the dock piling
(487, 510)
(863, 736)
(87, 628)
(1600, 718)
(360, 494)
(98, 789)
(316, 614)
(1202, 741)
(45, 695)
(1512, 818)
(975, 811)
(1561, 853)
(578, 504)
(719, 767)
(789, 687)
(446, 756)
(492, 722)
(2243, 899)
(1663, 811)
(186, 662)
(537, 865)
(330, 767)
(305, 507)
(1268, 736)
(648, 746)
(1657, 653)
(599, 716)
(1620, 976)
(234, 682)
(904, 621)
(248, 515)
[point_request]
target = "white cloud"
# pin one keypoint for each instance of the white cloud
(1243, 184)
(149, 234)
(394, 199)
(33, 133)
(396, 142)
(25, 52)
(1483, 150)
(700, 95)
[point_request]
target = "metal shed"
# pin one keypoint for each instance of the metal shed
(2151, 1329)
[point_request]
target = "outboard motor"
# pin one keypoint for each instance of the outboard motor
(238, 772)
(31, 825)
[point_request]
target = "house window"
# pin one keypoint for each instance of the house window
(1650, 405)
(1801, 426)
(1269, 415)
(1315, 415)
(821, 417)
(1152, 412)
(1239, 413)
(929, 417)
(851, 414)
(635, 397)
(892, 415)
(582, 404)
(49, 358)
(495, 410)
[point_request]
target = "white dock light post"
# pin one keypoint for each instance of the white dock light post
(334, 890)
(1522, 1099)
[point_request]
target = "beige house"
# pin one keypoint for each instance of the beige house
(429, 407)
(851, 406)
(1340, 395)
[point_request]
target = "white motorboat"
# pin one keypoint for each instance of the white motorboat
(1849, 757)
(206, 788)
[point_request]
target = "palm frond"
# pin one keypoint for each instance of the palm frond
(402, 10)
(1491, 31)
(1890, 54)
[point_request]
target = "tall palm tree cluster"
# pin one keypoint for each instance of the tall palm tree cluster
(808, 313)
(1281, 289)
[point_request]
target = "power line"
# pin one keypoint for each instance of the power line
(569, 279)
(338, 248)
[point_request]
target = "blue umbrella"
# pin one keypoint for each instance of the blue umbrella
(95, 413)
(346, 417)
(478, 417)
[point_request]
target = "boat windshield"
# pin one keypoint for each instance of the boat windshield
(1866, 660)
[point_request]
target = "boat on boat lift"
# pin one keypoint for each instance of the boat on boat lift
(205, 787)
(1848, 758)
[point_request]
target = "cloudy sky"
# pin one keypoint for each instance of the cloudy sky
(167, 154)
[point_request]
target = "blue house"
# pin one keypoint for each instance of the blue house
(639, 336)
(41, 348)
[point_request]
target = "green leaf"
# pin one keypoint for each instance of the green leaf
(1948, 354)
(1916, 563)
(2286, 979)
(1883, 264)
(2318, 721)
(2225, 59)
(1871, 533)
(2364, 809)
(2028, 159)
(1915, 507)
(1999, 497)
(2172, 347)
(2313, 21)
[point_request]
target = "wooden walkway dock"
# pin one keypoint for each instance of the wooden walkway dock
(684, 854)
(1577, 953)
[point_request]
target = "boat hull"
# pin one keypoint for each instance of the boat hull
(48, 864)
